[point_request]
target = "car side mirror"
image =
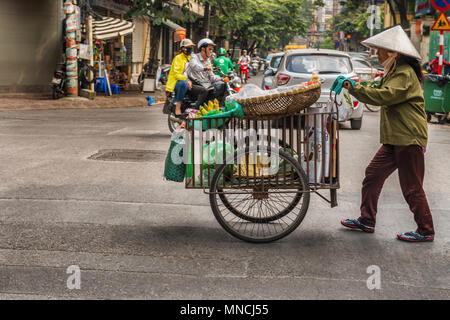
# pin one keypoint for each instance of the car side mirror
(269, 72)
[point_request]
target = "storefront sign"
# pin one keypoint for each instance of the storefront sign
(85, 51)
(423, 7)
(179, 35)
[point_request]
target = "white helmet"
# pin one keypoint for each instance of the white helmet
(186, 43)
(204, 43)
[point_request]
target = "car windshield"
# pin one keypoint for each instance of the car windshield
(360, 64)
(322, 63)
(269, 57)
(275, 62)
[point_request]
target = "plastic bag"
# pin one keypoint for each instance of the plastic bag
(213, 153)
(175, 168)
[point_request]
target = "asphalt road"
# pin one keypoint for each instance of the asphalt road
(134, 235)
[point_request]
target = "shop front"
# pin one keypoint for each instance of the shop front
(112, 44)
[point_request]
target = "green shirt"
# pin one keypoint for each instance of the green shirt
(224, 63)
(403, 120)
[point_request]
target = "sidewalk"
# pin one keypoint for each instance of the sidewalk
(33, 101)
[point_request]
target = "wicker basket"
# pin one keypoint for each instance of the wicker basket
(288, 102)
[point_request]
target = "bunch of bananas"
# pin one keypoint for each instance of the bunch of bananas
(212, 107)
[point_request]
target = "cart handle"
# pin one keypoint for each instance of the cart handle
(337, 104)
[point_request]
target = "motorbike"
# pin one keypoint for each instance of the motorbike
(232, 82)
(243, 70)
(58, 83)
(232, 86)
(255, 67)
(86, 76)
(147, 71)
(164, 73)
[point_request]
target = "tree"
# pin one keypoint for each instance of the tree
(158, 11)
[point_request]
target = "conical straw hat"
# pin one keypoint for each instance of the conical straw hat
(393, 39)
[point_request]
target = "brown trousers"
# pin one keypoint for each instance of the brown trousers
(409, 160)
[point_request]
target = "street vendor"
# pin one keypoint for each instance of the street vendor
(403, 132)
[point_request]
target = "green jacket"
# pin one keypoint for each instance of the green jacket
(403, 120)
(224, 63)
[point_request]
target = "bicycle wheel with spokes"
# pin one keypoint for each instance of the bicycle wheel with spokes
(264, 208)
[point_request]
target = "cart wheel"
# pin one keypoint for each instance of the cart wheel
(224, 197)
(261, 211)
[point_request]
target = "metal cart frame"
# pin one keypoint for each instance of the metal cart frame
(259, 172)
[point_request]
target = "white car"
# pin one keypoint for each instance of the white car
(268, 81)
(296, 66)
(363, 69)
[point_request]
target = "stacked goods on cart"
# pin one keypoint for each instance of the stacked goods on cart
(279, 101)
(210, 108)
(211, 116)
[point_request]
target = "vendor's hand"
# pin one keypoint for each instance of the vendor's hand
(210, 68)
(337, 82)
(347, 85)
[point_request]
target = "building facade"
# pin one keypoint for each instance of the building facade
(31, 46)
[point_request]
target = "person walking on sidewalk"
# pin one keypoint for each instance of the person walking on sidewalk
(403, 133)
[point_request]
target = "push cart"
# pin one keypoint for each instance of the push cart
(260, 170)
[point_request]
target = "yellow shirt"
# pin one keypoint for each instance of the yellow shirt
(176, 72)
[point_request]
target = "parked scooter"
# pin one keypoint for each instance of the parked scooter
(58, 83)
(147, 71)
(255, 66)
(164, 73)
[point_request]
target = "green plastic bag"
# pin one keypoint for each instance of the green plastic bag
(235, 108)
(209, 152)
(175, 168)
(214, 151)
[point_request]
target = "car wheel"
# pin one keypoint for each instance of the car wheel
(356, 124)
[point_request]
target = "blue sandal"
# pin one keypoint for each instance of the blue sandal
(414, 236)
(355, 224)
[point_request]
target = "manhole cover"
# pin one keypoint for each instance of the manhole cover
(129, 155)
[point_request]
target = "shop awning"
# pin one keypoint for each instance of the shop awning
(180, 32)
(109, 28)
(172, 25)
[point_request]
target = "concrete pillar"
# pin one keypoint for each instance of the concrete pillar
(71, 49)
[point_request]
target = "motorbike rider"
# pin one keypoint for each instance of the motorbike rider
(434, 64)
(223, 62)
(200, 71)
(246, 58)
(177, 80)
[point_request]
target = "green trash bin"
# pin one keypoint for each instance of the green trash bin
(436, 91)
